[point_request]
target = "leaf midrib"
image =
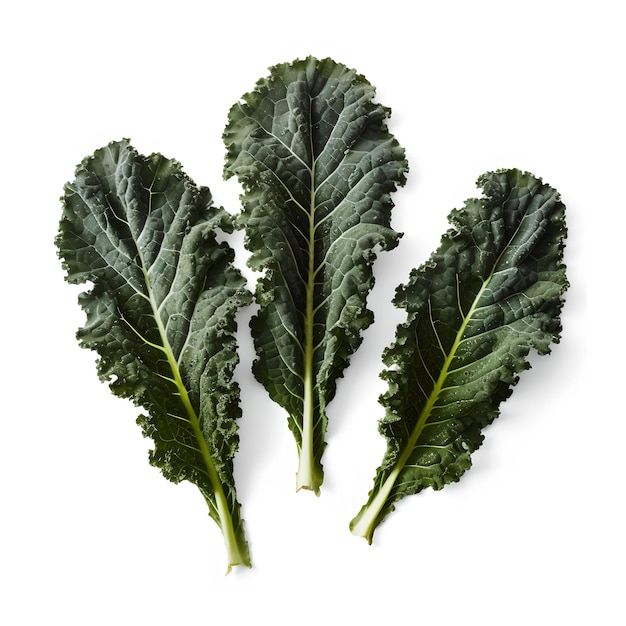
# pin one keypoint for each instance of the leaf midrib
(221, 503)
(401, 461)
(306, 467)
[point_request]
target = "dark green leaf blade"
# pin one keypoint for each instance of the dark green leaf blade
(161, 314)
(318, 165)
(491, 293)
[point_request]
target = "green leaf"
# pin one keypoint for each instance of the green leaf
(489, 295)
(161, 314)
(317, 164)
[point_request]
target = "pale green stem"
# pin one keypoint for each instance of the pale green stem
(234, 555)
(309, 475)
(364, 524)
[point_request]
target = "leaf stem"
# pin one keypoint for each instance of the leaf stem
(309, 475)
(234, 552)
(365, 522)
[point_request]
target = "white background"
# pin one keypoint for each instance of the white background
(90, 534)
